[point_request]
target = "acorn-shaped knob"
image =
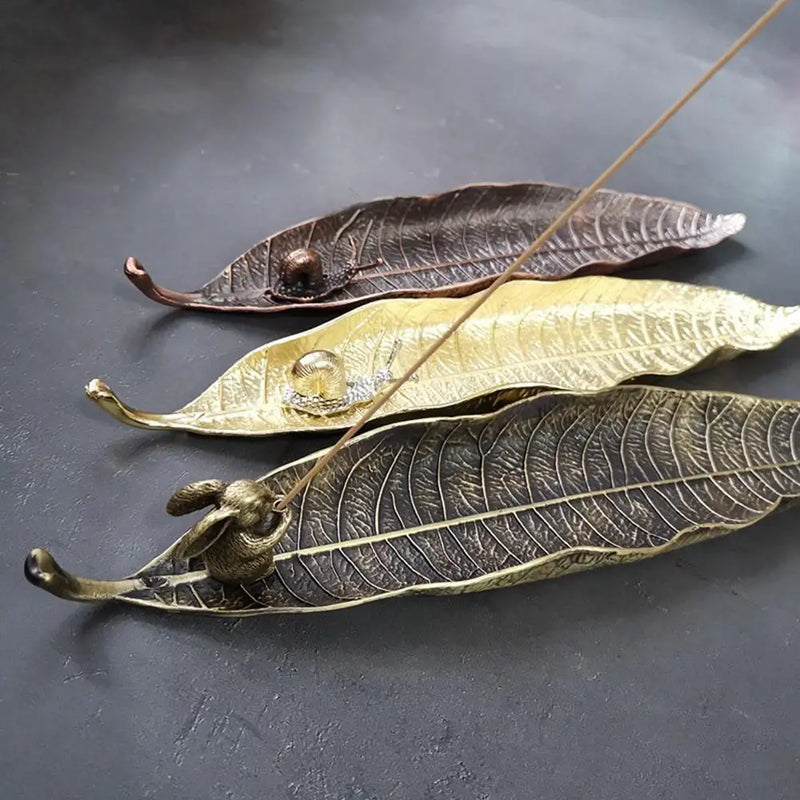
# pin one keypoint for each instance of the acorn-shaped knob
(319, 373)
(301, 272)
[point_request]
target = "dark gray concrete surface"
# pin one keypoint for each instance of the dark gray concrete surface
(183, 132)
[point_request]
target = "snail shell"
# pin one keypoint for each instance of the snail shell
(301, 272)
(319, 373)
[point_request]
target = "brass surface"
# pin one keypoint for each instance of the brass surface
(580, 335)
(237, 539)
(553, 484)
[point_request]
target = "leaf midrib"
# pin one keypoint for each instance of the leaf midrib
(547, 249)
(493, 513)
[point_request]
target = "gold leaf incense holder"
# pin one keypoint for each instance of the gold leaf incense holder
(580, 335)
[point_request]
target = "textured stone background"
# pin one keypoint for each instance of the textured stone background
(183, 132)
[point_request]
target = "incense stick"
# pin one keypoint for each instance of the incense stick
(505, 276)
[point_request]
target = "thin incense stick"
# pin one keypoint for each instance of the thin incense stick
(548, 232)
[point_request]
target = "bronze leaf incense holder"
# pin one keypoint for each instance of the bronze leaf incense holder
(549, 485)
(447, 244)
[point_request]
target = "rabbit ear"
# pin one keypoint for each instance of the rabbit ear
(204, 533)
(195, 496)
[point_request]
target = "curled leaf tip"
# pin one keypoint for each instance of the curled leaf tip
(44, 572)
(133, 267)
(141, 279)
(101, 393)
(40, 567)
(97, 390)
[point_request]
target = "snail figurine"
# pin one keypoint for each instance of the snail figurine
(301, 276)
(318, 383)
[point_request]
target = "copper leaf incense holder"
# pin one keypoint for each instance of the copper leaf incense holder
(447, 244)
